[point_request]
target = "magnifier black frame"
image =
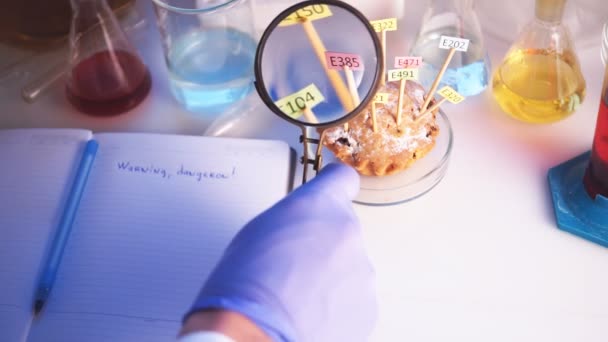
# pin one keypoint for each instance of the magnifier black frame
(259, 80)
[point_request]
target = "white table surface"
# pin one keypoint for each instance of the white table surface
(478, 258)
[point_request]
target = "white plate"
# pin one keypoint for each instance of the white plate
(412, 182)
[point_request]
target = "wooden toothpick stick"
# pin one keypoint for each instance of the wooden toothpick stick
(431, 109)
(383, 43)
(400, 102)
(374, 123)
(444, 67)
(352, 88)
(310, 116)
(334, 77)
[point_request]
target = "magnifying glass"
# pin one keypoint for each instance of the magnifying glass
(318, 64)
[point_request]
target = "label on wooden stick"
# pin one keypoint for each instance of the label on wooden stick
(312, 12)
(402, 74)
(381, 98)
(339, 60)
(389, 24)
(458, 44)
(408, 62)
(294, 104)
(451, 95)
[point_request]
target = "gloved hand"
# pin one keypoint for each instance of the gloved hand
(299, 270)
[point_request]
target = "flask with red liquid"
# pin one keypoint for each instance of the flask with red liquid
(106, 75)
(580, 186)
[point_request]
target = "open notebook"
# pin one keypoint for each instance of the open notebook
(151, 225)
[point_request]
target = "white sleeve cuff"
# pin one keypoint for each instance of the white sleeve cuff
(205, 336)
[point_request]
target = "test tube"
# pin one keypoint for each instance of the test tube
(596, 176)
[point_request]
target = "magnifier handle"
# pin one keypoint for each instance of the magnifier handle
(311, 156)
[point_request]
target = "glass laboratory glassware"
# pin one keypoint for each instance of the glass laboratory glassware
(540, 80)
(468, 72)
(584, 19)
(41, 79)
(209, 49)
(580, 186)
(40, 24)
(106, 75)
(596, 176)
(604, 52)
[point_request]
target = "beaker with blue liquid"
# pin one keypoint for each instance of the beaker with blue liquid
(468, 72)
(209, 49)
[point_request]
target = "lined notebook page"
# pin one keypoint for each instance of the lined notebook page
(37, 166)
(154, 219)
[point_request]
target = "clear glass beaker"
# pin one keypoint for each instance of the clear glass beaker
(468, 72)
(209, 49)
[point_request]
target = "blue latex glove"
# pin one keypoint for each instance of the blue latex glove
(299, 270)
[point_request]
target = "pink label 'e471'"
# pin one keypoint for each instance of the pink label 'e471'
(408, 62)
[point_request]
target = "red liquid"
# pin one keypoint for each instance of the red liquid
(596, 177)
(108, 83)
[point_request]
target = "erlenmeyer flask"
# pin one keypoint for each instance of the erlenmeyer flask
(468, 72)
(106, 75)
(540, 79)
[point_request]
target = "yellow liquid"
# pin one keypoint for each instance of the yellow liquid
(539, 86)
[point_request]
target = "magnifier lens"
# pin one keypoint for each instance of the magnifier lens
(318, 63)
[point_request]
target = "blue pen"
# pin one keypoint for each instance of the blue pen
(65, 226)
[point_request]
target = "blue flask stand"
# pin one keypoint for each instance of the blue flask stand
(575, 211)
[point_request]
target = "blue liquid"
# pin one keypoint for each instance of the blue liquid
(468, 80)
(211, 70)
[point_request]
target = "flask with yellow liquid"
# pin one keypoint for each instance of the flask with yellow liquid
(540, 80)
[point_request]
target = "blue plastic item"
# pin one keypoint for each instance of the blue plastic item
(576, 212)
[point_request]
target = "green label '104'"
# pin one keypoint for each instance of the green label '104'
(294, 104)
(297, 104)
